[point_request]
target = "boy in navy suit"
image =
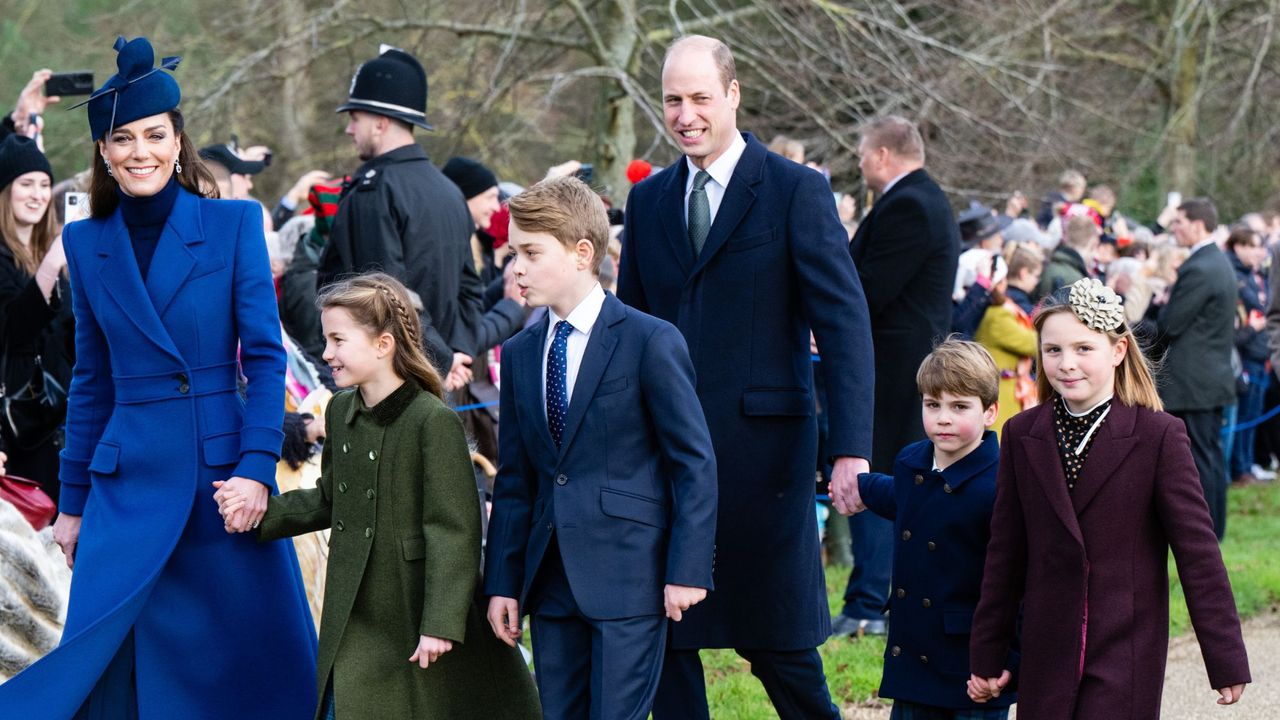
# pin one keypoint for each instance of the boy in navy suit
(940, 499)
(604, 506)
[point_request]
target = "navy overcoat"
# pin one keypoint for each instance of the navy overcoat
(775, 264)
(220, 623)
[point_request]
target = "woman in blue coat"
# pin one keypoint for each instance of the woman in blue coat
(171, 614)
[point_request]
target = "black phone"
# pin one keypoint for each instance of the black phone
(69, 83)
(586, 173)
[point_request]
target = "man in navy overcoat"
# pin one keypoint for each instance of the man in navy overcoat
(743, 251)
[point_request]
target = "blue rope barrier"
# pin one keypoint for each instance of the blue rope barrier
(1256, 421)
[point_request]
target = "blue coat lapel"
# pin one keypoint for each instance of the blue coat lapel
(529, 382)
(119, 274)
(671, 209)
(594, 361)
(738, 198)
(174, 259)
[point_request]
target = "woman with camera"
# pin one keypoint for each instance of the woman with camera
(172, 613)
(36, 328)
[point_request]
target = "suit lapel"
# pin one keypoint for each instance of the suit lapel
(1041, 448)
(595, 359)
(671, 209)
(738, 198)
(174, 258)
(1111, 447)
(119, 274)
(529, 381)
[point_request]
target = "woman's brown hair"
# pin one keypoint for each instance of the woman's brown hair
(195, 177)
(43, 233)
(381, 304)
(1135, 384)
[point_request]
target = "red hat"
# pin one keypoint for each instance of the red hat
(638, 170)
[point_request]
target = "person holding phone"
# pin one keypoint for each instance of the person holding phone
(36, 326)
(172, 610)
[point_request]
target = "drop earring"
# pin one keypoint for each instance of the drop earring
(177, 166)
(107, 165)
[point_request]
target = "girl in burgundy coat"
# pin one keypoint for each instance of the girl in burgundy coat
(1094, 487)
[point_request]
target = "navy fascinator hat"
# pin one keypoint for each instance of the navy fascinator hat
(138, 89)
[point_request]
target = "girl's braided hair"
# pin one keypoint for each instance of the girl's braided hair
(381, 304)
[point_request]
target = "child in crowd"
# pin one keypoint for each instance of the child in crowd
(1007, 333)
(940, 498)
(402, 634)
(1095, 485)
(604, 507)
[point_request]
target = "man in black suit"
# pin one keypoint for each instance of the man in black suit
(1198, 324)
(905, 251)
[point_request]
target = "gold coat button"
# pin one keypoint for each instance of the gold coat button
(933, 546)
(902, 593)
(924, 659)
(919, 479)
(946, 488)
(896, 651)
(906, 534)
(927, 602)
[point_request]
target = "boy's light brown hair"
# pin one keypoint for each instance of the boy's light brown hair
(566, 209)
(962, 368)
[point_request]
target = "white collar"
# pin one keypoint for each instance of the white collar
(889, 185)
(583, 317)
(1207, 241)
(722, 169)
(1097, 405)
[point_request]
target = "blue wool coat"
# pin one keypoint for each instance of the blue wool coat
(941, 524)
(220, 623)
(775, 265)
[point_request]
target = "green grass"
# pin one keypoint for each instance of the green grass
(853, 666)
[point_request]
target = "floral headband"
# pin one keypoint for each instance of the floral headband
(1096, 305)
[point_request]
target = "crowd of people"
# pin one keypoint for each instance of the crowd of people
(624, 405)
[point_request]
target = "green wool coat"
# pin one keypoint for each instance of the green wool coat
(397, 488)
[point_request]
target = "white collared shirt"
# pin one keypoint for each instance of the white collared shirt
(582, 318)
(721, 171)
(1203, 243)
(889, 185)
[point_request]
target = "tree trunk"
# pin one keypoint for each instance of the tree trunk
(616, 132)
(1183, 109)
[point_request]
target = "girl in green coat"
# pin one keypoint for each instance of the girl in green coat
(401, 633)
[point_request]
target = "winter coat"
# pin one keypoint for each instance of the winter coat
(1065, 266)
(1007, 333)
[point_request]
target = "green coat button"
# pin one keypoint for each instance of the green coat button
(342, 487)
(373, 455)
(368, 532)
(346, 447)
(368, 494)
(340, 526)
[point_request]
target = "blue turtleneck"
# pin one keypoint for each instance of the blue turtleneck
(145, 218)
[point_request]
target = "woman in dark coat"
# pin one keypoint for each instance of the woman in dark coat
(35, 311)
(1095, 486)
(170, 616)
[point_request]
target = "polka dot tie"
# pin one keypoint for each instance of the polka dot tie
(558, 380)
(699, 212)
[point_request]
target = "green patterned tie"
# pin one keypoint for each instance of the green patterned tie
(699, 212)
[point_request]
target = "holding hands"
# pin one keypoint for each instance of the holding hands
(984, 689)
(241, 502)
(844, 484)
(429, 650)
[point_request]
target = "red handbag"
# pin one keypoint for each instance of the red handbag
(29, 499)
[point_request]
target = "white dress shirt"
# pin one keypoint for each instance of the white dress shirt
(889, 185)
(582, 318)
(721, 171)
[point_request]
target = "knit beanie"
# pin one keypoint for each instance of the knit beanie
(20, 155)
(471, 177)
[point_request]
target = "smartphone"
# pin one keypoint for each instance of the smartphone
(75, 206)
(69, 83)
(1173, 200)
(586, 173)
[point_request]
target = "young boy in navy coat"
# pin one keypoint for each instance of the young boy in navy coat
(940, 499)
(604, 506)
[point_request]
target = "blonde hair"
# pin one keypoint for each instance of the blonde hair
(381, 304)
(960, 367)
(43, 233)
(566, 209)
(897, 133)
(1135, 383)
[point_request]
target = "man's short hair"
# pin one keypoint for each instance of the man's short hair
(1080, 232)
(962, 368)
(1071, 180)
(1103, 194)
(720, 54)
(898, 134)
(1201, 209)
(566, 209)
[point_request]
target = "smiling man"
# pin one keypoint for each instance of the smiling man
(744, 252)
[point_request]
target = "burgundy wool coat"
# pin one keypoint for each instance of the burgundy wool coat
(1090, 568)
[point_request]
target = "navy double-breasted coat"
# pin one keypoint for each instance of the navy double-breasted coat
(775, 264)
(220, 624)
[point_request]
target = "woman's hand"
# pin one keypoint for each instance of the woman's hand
(242, 503)
(66, 532)
(54, 262)
(429, 650)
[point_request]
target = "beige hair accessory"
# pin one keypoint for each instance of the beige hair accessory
(1096, 305)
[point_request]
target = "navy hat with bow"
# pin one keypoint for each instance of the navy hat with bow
(137, 90)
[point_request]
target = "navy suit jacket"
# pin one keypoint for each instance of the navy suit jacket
(630, 493)
(775, 264)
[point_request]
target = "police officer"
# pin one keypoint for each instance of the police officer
(399, 214)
